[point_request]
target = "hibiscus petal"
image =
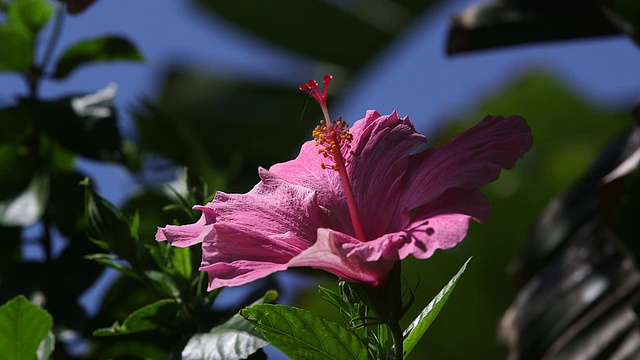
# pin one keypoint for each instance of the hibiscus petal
(382, 146)
(421, 240)
(187, 235)
(469, 161)
(327, 254)
(257, 233)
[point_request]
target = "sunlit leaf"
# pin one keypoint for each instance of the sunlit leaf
(301, 334)
(27, 207)
(236, 338)
(23, 325)
(419, 326)
(46, 347)
(96, 50)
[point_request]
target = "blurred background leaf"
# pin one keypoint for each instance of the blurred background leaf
(497, 23)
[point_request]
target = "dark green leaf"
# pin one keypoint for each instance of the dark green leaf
(32, 14)
(195, 106)
(419, 326)
(151, 317)
(301, 334)
(23, 326)
(505, 23)
(16, 54)
(112, 262)
(15, 125)
(296, 21)
(106, 223)
(17, 168)
(85, 124)
(234, 339)
(96, 50)
(626, 15)
(164, 282)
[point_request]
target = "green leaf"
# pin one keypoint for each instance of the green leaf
(106, 223)
(17, 168)
(112, 262)
(46, 347)
(491, 24)
(419, 326)
(32, 14)
(16, 54)
(626, 15)
(23, 325)
(96, 50)
(163, 282)
(234, 339)
(153, 316)
(181, 261)
(301, 334)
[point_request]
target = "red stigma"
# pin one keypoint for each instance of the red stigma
(312, 88)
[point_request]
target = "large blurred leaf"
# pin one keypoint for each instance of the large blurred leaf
(626, 15)
(22, 326)
(498, 23)
(209, 123)
(97, 50)
(83, 124)
(17, 167)
(347, 34)
(16, 54)
(32, 14)
(579, 285)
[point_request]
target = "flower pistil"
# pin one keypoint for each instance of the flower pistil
(331, 137)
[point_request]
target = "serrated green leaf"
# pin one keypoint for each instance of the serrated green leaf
(96, 50)
(150, 317)
(419, 326)
(32, 14)
(16, 54)
(234, 339)
(23, 325)
(301, 334)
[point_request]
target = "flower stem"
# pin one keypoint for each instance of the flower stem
(398, 340)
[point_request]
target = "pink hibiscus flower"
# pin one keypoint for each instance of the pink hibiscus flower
(355, 200)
